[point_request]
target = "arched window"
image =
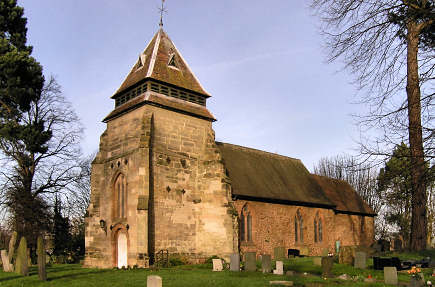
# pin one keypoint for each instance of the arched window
(245, 225)
(120, 197)
(317, 229)
(299, 226)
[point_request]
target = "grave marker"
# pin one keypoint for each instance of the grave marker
(42, 273)
(304, 251)
(266, 265)
(5, 261)
(390, 275)
(250, 261)
(154, 281)
(217, 265)
(21, 265)
(360, 260)
(317, 261)
(235, 262)
(327, 263)
(279, 268)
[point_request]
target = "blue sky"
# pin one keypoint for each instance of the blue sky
(262, 61)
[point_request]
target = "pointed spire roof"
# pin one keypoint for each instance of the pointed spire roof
(162, 61)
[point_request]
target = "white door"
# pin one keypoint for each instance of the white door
(122, 250)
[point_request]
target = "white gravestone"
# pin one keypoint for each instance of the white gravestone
(154, 281)
(217, 265)
(279, 268)
(390, 275)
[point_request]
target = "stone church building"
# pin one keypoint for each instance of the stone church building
(160, 181)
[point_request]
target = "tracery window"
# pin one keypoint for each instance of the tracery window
(318, 237)
(120, 197)
(299, 227)
(245, 225)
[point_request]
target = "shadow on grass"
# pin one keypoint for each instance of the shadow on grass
(74, 275)
(12, 277)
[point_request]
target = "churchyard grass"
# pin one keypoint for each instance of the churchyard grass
(195, 275)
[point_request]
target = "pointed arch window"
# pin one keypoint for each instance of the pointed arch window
(299, 227)
(318, 237)
(245, 225)
(120, 197)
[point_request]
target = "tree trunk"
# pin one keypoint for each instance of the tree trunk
(419, 199)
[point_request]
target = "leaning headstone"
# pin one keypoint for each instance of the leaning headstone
(304, 251)
(327, 263)
(217, 265)
(235, 262)
(266, 265)
(21, 265)
(41, 259)
(279, 268)
(390, 275)
(279, 253)
(250, 261)
(317, 261)
(154, 281)
(360, 260)
(12, 245)
(5, 261)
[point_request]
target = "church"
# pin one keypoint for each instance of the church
(160, 181)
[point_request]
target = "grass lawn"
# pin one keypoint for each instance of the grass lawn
(194, 275)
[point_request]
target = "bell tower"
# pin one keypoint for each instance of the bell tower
(158, 180)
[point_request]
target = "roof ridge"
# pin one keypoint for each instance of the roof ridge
(154, 55)
(260, 151)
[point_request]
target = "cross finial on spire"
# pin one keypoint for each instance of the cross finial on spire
(162, 10)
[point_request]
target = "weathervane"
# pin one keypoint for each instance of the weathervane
(162, 10)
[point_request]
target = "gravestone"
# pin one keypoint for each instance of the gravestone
(250, 261)
(292, 253)
(235, 262)
(42, 273)
(360, 260)
(397, 244)
(325, 252)
(304, 251)
(12, 246)
(5, 260)
(317, 261)
(327, 263)
(217, 265)
(346, 255)
(390, 275)
(337, 246)
(279, 268)
(154, 281)
(279, 253)
(21, 265)
(266, 265)
(380, 262)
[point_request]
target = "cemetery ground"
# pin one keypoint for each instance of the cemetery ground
(305, 273)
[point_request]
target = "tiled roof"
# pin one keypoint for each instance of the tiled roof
(262, 175)
(153, 63)
(343, 196)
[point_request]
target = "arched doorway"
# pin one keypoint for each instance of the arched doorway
(122, 249)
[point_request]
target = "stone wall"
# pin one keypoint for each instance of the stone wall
(273, 225)
(192, 200)
(192, 204)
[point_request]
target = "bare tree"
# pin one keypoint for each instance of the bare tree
(362, 177)
(388, 45)
(41, 161)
